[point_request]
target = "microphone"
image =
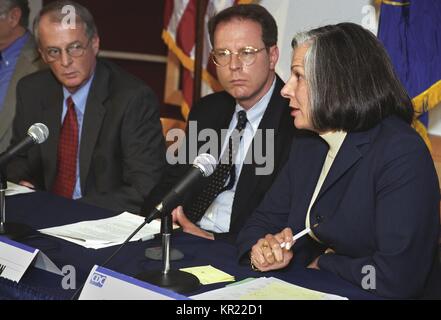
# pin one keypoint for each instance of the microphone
(37, 134)
(203, 166)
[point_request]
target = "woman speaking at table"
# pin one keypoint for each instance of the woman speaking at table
(361, 179)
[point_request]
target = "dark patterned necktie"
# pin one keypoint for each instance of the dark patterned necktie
(67, 153)
(224, 170)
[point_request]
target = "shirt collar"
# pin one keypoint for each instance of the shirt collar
(80, 96)
(255, 113)
(334, 140)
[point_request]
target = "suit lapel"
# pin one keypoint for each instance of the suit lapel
(51, 115)
(219, 122)
(27, 63)
(248, 180)
(93, 117)
(31, 54)
(225, 123)
(348, 155)
(310, 158)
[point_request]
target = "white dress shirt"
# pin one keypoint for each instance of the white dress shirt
(218, 215)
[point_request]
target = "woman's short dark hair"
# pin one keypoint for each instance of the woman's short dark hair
(55, 11)
(251, 12)
(352, 83)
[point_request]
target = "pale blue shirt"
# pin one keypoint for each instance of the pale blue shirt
(218, 215)
(8, 62)
(79, 98)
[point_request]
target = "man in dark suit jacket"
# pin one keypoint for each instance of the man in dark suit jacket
(19, 58)
(251, 85)
(118, 155)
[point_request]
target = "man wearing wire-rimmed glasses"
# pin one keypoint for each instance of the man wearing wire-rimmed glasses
(105, 142)
(245, 53)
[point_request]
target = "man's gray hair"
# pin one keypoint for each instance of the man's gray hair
(23, 5)
(56, 15)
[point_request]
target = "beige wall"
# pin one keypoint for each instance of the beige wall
(35, 6)
(293, 16)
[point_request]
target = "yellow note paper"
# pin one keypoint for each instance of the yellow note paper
(209, 274)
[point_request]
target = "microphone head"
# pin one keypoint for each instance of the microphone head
(38, 132)
(206, 163)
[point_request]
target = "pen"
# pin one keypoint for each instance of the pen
(299, 235)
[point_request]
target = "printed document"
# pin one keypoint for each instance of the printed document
(265, 289)
(97, 234)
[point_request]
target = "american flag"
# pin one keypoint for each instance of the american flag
(411, 33)
(179, 34)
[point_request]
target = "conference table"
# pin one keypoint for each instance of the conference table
(42, 210)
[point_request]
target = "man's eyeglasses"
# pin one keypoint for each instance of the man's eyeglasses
(247, 55)
(75, 50)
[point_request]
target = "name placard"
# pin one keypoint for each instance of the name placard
(15, 259)
(105, 284)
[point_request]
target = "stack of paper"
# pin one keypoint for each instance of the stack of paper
(209, 274)
(97, 234)
(13, 189)
(265, 289)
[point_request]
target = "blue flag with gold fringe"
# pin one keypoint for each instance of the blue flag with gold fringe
(411, 32)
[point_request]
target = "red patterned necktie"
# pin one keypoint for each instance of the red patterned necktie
(67, 153)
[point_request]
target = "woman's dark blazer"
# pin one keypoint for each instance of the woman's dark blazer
(378, 209)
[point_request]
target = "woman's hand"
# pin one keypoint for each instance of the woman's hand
(267, 254)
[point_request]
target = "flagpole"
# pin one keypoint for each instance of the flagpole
(199, 50)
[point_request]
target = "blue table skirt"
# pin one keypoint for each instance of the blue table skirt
(42, 210)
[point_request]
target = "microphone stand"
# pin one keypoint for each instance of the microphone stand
(175, 280)
(157, 253)
(8, 230)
